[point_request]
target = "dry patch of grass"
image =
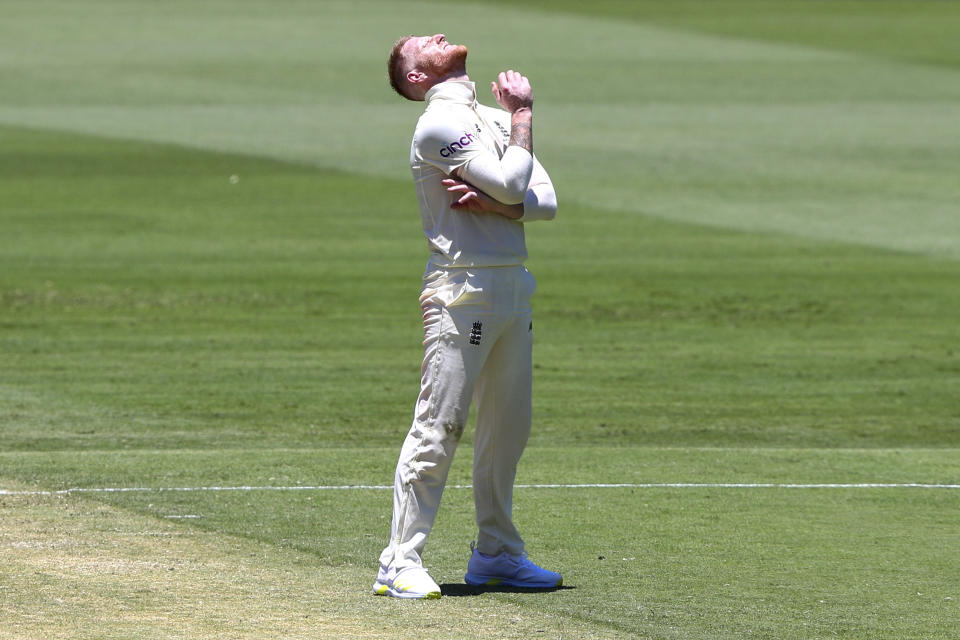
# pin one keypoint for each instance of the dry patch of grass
(75, 568)
(79, 569)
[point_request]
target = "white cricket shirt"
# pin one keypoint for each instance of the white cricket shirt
(456, 132)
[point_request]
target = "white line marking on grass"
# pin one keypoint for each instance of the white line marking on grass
(744, 485)
(621, 485)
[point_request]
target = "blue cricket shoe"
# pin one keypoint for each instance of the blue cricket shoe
(508, 571)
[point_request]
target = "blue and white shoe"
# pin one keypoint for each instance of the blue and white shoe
(506, 570)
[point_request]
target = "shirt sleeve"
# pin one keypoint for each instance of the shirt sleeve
(446, 144)
(505, 179)
(540, 200)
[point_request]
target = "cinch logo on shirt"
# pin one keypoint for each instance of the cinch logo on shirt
(457, 146)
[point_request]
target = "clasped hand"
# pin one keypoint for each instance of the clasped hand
(467, 197)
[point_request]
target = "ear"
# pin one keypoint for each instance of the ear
(416, 77)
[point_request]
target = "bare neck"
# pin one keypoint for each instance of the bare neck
(456, 76)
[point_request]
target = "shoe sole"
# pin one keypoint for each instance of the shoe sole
(381, 589)
(493, 581)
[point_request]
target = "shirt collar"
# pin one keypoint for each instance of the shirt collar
(457, 91)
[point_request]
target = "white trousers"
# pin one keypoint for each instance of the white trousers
(478, 340)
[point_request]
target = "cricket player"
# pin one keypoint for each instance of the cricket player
(477, 183)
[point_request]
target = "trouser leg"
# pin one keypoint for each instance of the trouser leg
(503, 395)
(450, 368)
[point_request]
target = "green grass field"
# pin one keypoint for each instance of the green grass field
(210, 257)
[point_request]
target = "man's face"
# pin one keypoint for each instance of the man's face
(435, 56)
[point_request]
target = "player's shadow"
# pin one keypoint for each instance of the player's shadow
(459, 590)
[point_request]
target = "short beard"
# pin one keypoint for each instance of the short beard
(454, 62)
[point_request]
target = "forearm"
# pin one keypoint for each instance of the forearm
(521, 129)
(539, 203)
(514, 185)
(506, 179)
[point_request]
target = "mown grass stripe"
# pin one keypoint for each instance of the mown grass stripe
(618, 485)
